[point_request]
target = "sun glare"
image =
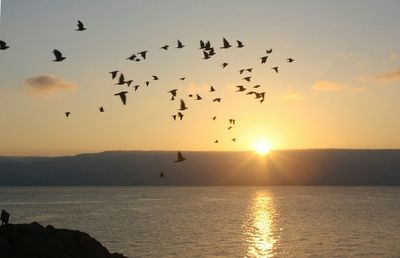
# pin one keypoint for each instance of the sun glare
(262, 148)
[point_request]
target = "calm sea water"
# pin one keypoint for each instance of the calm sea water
(221, 221)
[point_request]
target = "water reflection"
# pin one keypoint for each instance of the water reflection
(258, 229)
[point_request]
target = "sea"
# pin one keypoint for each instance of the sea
(220, 221)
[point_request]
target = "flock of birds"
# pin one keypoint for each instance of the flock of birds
(208, 52)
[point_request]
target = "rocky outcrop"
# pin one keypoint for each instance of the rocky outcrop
(35, 241)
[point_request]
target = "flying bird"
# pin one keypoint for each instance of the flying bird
(165, 47)
(250, 92)
(155, 77)
(182, 78)
(289, 60)
(202, 45)
(234, 139)
(240, 88)
(226, 44)
(216, 141)
(230, 127)
(114, 74)
(143, 54)
(211, 52)
(122, 95)
(162, 174)
(173, 92)
(58, 56)
(67, 114)
(232, 121)
(147, 83)
(81, 27)
(101, 109)
(208, 45)
(183, 106)
(180, 45)
(212, 89)
(275, 69)
(213, 118)
(206, 55)
(180, 157)
(249, 70)
(121, 80)
(269, 51)
(136, 87)
(129, 82)
(3, 45)
(217, 100)
(174, 117)
(198, 97)
(224, 65)
(132, 57)
(248, 78)
(240, 44)
(257, 86)
(180, 115)
(264, 59)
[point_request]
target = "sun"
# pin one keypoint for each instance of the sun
(262, 148)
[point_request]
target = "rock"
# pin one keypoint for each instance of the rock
(35, 241)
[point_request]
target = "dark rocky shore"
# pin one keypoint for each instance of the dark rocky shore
(35, 241)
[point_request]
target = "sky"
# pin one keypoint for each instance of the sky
(341, 91)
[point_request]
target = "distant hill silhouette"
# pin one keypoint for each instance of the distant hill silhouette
(289, 167)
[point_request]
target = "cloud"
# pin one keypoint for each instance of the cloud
(327, 86)
(294, 96)
(47, 84)
(388, 76)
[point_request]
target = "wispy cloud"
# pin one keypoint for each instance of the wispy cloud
(388, 76)
(327, 86)
(294, 96)
(47, 84)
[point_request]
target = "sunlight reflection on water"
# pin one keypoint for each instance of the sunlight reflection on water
(258, 231)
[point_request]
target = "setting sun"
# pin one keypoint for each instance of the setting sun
(262, 148)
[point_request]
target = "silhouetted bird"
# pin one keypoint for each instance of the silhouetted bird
(213, 118)
(234, 139)
(182, 78)
(211, 52)
(180, 157)
(190, 95)
(136, 87)
(216, 141)
(264, 59)
(162, 174)
(143, 54)
(180, 115)
(180, 45)
(121, 80)
(58, 56)
(202, 45)
(217, 100)
(132, 57)
(212, 89)
(129, 82)
(226, 44)
(257, 86)
(3, 45)
(173, 92)
(174, 117)
(208, 45)
(206, 55)
(165, 47)
(155, 77)
(198, 97)
(269, 51)
(101, 109)
(248, 78)
(81, 27)
(275, 69)
(224, 65)
(240, 44)
(232, 121)
(183, 106)
(172, 98)
(289, 60)
(67, 114)
(250, 92)
(114, 74)
(147, 83)
(249, 70)
(230, 127)
(122, 95)
(240, 88)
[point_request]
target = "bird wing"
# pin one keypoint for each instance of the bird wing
(180, 156)
(183, 106)
(226, 43)
(80, 24)
(57, 54)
